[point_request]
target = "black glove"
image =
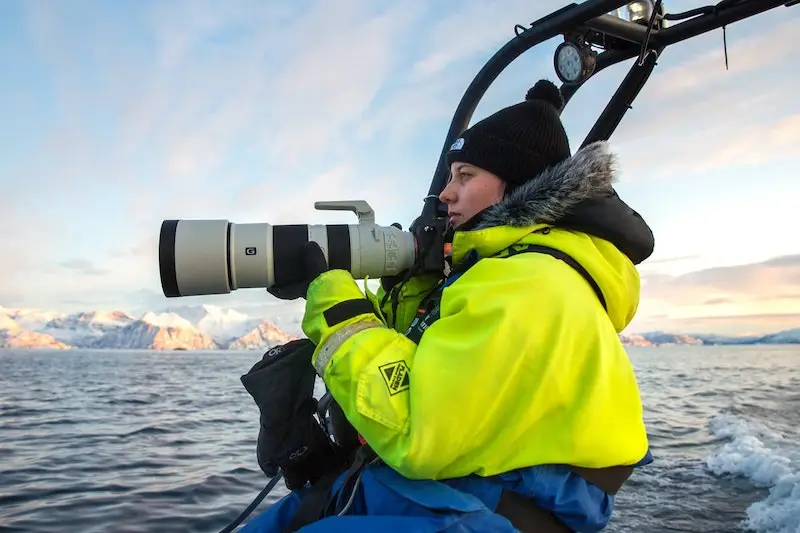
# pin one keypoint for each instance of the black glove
(313, 264)
(290, 438)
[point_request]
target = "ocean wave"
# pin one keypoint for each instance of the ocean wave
(767, 458)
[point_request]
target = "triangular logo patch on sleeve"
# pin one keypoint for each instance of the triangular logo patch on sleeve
(395, 375)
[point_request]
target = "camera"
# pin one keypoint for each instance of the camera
(198, 257)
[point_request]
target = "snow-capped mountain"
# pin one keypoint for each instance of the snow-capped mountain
(164, 331)
(29, 339)
(13, 336)
(634, 340)
(97, 320)
(83, 329)
(7, 323)
(790, 336)
(205, 327)
(31, 319)
(223, 325)
(658, 338)
(263, 337)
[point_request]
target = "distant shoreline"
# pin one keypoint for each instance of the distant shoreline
(211, 328)
(261, 350)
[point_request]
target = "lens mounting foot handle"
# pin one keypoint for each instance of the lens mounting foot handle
(360, 207)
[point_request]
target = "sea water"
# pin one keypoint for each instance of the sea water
(134, 441)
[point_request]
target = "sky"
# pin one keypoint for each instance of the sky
(119, 115)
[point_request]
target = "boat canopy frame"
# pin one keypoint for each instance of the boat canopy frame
(586, 24)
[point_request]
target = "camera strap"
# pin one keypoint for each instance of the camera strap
(429, 311)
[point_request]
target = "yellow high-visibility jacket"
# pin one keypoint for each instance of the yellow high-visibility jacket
(524, 366)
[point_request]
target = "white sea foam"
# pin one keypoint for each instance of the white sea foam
(766, 458)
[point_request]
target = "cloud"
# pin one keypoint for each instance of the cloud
(707, 69)
(717, 301)
(481, 29)
(668, 260)
(333, 80)
(147, 247)
(207, 84)
(734, 325)
(255, 302)
(737, 141)
(766, 288)
(29, 235)
(795, 296)
(270, 198)
(446, 52)
(693, 116)
(769, 279)
(82, 267)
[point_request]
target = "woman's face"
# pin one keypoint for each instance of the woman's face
(470, 191)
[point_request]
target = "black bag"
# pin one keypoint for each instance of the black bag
(290, 438)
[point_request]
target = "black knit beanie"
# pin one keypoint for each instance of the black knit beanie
(517, 143)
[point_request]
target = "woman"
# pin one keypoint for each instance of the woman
(501, 395)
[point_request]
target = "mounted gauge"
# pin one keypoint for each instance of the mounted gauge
(573, 63)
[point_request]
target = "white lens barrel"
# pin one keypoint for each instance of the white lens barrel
(199, 257)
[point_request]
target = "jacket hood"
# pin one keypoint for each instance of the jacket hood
(576, 194)
(572, 207)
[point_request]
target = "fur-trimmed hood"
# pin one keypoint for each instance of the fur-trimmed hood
(556, 191)
(576, 194)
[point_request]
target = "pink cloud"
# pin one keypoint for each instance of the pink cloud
(769, 288)
(768, 279)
